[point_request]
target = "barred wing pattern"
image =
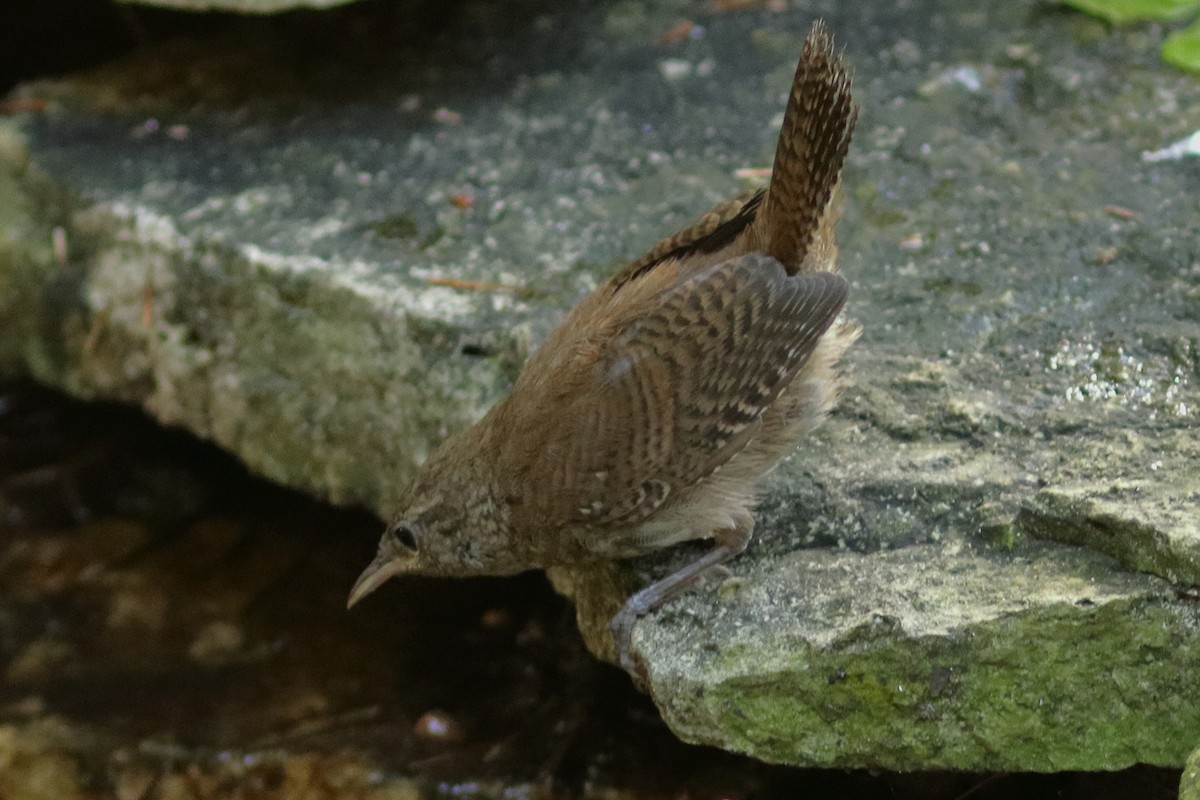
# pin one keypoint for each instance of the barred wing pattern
(708, 233)
(684, 386)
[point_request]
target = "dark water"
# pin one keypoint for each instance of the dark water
(170, 615)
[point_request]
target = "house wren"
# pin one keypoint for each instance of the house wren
(649, 413)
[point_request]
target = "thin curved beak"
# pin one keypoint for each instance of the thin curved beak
(374, 576)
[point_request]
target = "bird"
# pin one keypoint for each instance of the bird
(650, 413)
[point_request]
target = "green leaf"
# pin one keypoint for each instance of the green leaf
(1118, 12)
(1182, 48)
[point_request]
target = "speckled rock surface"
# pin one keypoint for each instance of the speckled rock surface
(326, 265)
(1148, 524)
(935, 655)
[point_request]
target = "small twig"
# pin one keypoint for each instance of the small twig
(475, 286)
(1120, 213)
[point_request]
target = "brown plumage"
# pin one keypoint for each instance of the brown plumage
(650, 412)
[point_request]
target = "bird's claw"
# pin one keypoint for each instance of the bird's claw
(621, 628)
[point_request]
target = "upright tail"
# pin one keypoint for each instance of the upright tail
(812, 147)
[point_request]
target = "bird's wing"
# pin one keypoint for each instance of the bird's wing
(679, 389)
(708, 233)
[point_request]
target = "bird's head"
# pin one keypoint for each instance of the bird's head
(451, 524)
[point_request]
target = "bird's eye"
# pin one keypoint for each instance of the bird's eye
(404, 534)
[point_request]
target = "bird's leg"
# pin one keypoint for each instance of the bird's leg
(728, 543)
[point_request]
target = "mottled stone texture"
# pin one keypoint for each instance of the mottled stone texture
(1189, 783)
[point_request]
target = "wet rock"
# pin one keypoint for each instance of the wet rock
(1189, 783)
(929, 654)
(1149, 524)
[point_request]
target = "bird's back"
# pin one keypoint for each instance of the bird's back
(666, 393)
